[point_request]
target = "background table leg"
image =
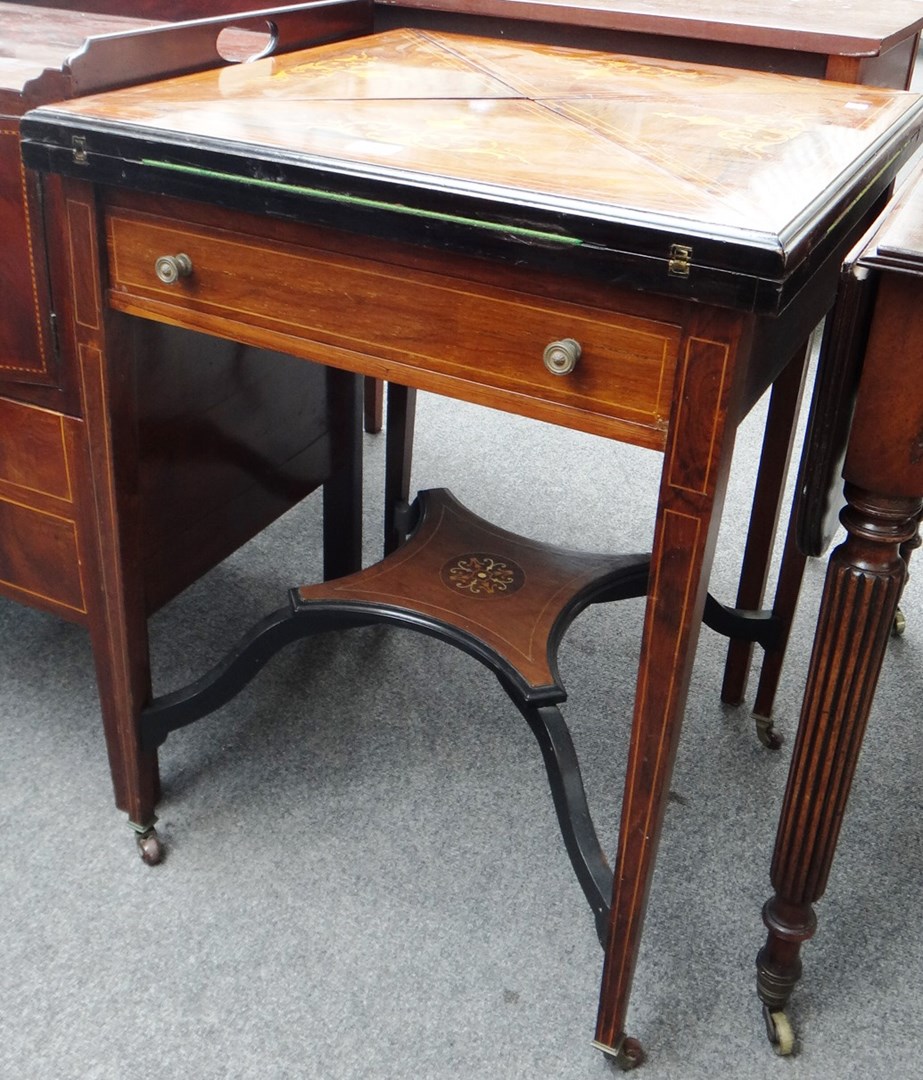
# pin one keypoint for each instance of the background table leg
(864, 582)
(402, 404)
(784, 405)
(343, 489)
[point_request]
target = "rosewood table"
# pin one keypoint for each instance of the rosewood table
(628, 247)
(881, 314)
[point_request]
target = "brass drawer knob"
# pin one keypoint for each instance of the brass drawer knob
(561, 356)
(170, 268)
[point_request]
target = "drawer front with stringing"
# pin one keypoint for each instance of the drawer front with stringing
(400, 322)
(39, 552)
(33, 450)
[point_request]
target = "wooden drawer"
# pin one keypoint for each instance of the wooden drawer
(33, 454)
(39, 553)
(39, 561)
(432, 330)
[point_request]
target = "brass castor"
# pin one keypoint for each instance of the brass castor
(900, 623)
(630, 1054)
(150, 846)
(766, 732)
(779, 1031)
(627, 1053)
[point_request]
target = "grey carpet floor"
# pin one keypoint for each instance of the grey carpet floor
(364, 876)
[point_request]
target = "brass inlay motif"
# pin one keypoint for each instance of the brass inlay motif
(483, 575)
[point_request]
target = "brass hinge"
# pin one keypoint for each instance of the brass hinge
(680, 260)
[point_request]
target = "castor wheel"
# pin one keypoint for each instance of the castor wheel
(630, 1054)
(779, 1031)
(150, 847)
(627, 1053)
(900, 623)
(766, 732)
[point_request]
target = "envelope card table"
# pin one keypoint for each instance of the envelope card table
(626, 247)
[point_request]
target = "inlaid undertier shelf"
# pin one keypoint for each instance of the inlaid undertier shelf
(502, 598)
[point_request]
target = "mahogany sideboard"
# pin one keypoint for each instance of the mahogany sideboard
(229, 436)
(607, 246)
(880, 312)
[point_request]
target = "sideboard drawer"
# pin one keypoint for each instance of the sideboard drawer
(33, 455)
(432, 330)
(39, 557)
(39, 551)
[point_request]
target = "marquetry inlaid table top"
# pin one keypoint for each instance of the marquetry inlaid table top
(550, 146)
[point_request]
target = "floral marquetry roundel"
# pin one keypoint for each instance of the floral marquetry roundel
(482, 575)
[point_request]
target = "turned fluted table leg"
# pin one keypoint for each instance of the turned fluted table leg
(863, 585)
